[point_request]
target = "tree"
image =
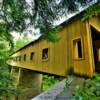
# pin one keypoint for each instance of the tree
(5, 37)
(17, 15)
(7, 88)
(6, 81)
(21, 42)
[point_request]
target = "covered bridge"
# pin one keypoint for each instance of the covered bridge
(78, 49)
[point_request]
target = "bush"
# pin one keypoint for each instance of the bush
(90, 90)
(49, 81)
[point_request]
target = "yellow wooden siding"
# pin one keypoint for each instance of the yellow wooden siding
(44, 62)
(81, 66)
(60, 52)
(51, 58)
(56, 62)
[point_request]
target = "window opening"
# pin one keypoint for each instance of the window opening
(45, 53)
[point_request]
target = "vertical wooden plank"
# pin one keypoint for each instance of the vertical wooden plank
(91, 57)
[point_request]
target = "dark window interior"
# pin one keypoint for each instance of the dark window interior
(19, 58)
(31, 55)
(16, 58)
(45, 53)
(95, 34)
(96, 37)
(79, 49)
(25, 57)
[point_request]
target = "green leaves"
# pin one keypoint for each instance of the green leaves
(41, 13)
(13, 14)
(91, 11)
(90, 90)
(21, 42)
(48, 82)
(7, 88)
(52, 34)
(5, 37)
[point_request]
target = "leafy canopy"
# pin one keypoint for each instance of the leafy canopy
(17, 15)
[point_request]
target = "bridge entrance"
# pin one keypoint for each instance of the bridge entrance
(96, 47)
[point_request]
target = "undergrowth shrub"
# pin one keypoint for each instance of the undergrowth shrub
(90, 90)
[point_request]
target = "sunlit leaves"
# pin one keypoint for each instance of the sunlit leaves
(49, 81)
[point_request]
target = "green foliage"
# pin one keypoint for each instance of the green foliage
(48, 82)
(40, 13)
(5, 37)
(91, 11)
(7, 89)
(90, 90)
(6, 81)
(21, 42)
(13, 14)
(52, 34)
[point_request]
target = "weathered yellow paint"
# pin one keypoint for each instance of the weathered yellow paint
(61, 54)
(95, 22)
